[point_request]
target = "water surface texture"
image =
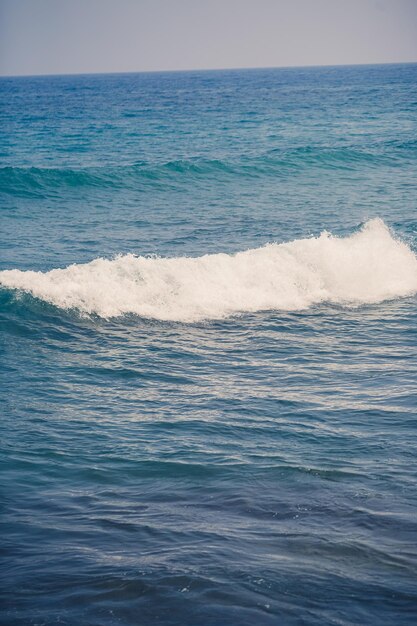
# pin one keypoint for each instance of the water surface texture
(208, 348)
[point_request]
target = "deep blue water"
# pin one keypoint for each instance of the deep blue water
(193, 440)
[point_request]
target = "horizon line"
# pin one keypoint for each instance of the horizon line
(208, 69)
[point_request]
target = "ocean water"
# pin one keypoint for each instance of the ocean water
(208, 348)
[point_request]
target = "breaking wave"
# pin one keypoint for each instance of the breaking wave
(368, 267)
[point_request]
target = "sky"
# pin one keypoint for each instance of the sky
(89, 36)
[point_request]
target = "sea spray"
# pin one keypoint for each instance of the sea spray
(368, 267)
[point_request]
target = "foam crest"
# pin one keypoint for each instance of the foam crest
(368, 267)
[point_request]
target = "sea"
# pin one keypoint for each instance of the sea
(208, 348)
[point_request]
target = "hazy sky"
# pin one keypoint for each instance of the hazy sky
(72, 36)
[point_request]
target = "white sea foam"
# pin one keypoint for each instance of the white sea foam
(367, 267)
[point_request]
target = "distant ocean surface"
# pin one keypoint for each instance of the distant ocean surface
(208, 348)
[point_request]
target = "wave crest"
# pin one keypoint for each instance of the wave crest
(368, 267)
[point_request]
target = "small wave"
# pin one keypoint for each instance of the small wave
(40, 182)
(368, 267)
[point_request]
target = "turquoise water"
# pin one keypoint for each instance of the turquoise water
(208, 352)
